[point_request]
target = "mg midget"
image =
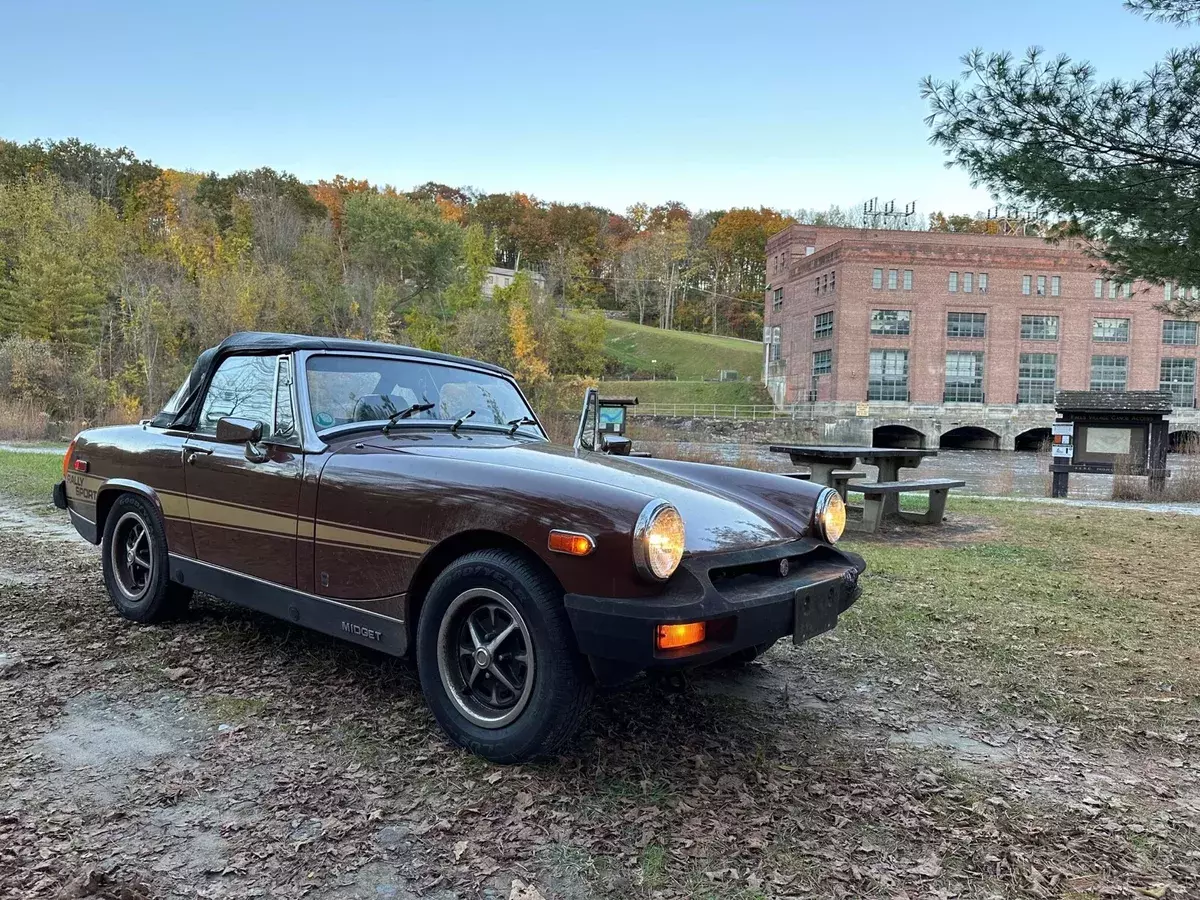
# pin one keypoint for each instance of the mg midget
(411, 502)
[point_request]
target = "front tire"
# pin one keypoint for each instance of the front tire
(497, 658)
(134, 551)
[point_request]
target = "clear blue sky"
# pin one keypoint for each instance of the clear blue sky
(715, 104)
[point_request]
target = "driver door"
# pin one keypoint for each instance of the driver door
(243, 499)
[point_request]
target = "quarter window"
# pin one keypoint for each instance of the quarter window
(890, 321)
(1179, 333)
(243, 386)
(887, 377)
(1037, 375)
(964, 377)
(822, 326)
(1109, 373)
(1110, 331)
(1039, 328)
(1178, 376)
(966, 325)
(285, 414)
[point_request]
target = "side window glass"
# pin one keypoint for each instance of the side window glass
(243, 386)
(285, 416)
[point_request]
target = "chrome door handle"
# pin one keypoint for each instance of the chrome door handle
(190, 453)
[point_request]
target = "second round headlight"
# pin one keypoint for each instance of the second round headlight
(829, 516)
(658, 540)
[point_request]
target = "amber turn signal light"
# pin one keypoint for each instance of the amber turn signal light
(67, 459)
(683, 635)
(571, 543)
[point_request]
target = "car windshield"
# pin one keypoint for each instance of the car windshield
(347, 389)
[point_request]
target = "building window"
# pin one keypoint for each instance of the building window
(1055, 285)
(893, 279)
(822, 362)
(1026, 285)
(953, 286)
(983, 282)
(833, 280)
(1179, 333)
(1039, 328)
(822, 326)
(777, 298)
(890, 321)
(1110, 331)
(908, 279)
(877, 279)
(964, 377)
(1037, 375)
(888, 375)
(1112, 289)
(966, 325)
(1041, 285)
(773, 348)
(809, 251)
(968, 282)
(1127, 289)
(1098, 288)
(1109, 373)
(1178, 376)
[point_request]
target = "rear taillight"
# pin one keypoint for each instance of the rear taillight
(67, 458)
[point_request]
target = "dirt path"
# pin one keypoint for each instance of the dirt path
(229, 755)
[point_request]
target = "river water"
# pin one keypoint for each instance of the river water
(991, 473)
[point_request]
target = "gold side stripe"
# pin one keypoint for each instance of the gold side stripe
(359, 537)
(407, 537)
(174, 506)
(237, 517)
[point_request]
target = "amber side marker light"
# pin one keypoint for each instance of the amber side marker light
(670, 637)
(571, 543)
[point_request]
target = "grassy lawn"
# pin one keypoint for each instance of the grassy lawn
(688, 354)
(1080, 617)
(689, 393)
(29, 476)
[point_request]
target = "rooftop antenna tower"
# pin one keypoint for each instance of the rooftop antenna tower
(1014, 221)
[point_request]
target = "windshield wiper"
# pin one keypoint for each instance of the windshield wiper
(514, 424)
(462, 419)
(405, 413)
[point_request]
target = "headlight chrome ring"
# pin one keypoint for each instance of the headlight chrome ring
(658, 541)
(829, 516)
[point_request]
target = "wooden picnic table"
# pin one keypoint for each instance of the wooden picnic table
(824, 460)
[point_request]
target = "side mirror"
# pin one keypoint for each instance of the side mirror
(232, 430)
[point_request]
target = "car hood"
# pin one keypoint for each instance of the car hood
(714, 520)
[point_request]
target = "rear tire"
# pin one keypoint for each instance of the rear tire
(497, 658)
(136, 570)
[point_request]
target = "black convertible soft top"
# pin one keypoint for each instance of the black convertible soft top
(268, 343)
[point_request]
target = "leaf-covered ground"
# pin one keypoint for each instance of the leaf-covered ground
(1010, 711)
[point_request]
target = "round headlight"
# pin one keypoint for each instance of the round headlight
(829, 516)
(658, 540)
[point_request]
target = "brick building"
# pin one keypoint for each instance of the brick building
(904, 319)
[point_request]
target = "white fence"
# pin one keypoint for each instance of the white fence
(712, 411)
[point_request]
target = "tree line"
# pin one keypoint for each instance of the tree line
(115, 272)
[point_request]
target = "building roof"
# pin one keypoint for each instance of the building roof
(1114, 401)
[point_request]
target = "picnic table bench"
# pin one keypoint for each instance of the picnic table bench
(876, 509)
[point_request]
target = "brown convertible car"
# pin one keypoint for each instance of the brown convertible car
(408, 500)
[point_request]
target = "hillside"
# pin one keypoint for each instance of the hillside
(688, 393)
(682, 353)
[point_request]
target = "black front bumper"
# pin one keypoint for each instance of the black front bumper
(741, 596)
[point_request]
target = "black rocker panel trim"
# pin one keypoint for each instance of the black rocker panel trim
(307, 610)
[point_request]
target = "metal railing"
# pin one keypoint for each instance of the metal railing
(743, 411)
